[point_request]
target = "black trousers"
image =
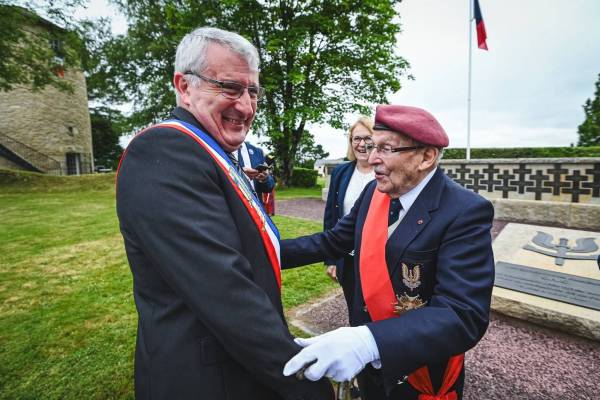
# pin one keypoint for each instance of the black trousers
(370, 384)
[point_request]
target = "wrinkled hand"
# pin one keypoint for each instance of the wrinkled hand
(340, 354)
(332, 272)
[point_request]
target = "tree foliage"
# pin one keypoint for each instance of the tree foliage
(107, 127)
(589, 130)
(34, 50)
(309, 152)
(320, 60)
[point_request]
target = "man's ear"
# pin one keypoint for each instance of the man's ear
(181, 87)
(430, 155)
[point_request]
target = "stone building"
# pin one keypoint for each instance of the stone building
(48, 130)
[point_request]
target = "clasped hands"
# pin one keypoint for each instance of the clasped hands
(339, 354)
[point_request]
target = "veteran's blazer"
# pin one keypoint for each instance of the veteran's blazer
(446, 233)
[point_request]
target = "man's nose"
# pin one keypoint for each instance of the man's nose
(373, 158)
(245, 102)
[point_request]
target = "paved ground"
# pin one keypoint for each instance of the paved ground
(514, 360)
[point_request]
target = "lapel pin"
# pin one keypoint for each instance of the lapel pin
(419, 222)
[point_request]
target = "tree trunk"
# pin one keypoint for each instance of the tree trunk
(287, 169)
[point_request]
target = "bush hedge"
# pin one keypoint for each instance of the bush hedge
(524, 152)
(304, 177)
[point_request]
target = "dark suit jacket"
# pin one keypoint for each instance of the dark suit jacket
(447, 232)
(211, 323)
(257, 157)
(334, 210)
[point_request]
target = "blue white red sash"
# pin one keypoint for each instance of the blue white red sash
(267, 229)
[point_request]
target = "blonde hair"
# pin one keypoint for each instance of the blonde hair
(367, 123)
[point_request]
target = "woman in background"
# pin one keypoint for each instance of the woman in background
(346, 184)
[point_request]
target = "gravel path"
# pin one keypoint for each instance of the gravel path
(514, 360)
(301, 208)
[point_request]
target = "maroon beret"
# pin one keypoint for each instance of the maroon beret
(413, 122)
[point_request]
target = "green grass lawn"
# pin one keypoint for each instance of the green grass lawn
(298, 192)
(67, 318)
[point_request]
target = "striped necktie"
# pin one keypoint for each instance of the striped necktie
(240, 158)
(239, 169)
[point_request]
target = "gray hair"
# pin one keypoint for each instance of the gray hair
(191, 51)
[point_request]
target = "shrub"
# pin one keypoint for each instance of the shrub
(524, 152)
(304, 177)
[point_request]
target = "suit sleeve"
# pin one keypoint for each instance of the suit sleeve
(333, 243)
(456, 316)
(269, 184)
(329, 216)
(171, 193)
(265, 187)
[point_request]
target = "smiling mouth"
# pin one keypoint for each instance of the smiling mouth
(234, 121)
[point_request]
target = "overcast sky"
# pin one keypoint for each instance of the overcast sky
(527, 90)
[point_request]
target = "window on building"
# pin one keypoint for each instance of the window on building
(73, 164)
(58, 48)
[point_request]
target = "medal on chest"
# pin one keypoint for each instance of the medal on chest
(411, 277)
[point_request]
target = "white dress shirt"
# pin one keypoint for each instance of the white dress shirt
(407, 200)
(357, 183)
(245, 162)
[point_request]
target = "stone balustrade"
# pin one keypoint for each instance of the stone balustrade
(562, 191)
(571, 180)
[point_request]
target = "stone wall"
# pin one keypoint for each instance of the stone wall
(52, 122)
(571, 180)
(563, 191)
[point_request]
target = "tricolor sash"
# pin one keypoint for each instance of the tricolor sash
(380, 298)
(265, 226)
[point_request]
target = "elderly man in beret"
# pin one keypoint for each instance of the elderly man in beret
(423, 270)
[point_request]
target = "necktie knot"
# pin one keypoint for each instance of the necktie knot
(240, 158)
(240, 170)
(235, 162)
(395, 207)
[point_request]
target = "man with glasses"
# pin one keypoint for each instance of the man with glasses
(203, 254)
(423, 270)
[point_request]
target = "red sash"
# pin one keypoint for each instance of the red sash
(268, 233)
(380, 297)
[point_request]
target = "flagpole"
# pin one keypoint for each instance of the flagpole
(469, 90)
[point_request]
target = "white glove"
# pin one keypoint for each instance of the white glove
(340, 354)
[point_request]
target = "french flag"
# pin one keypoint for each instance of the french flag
(481, 35)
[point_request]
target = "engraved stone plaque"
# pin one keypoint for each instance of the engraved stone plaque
(567, 288)
(549, 276)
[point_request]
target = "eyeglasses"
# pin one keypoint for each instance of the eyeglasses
(386, 150)
(358, 139)
(232, 90)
